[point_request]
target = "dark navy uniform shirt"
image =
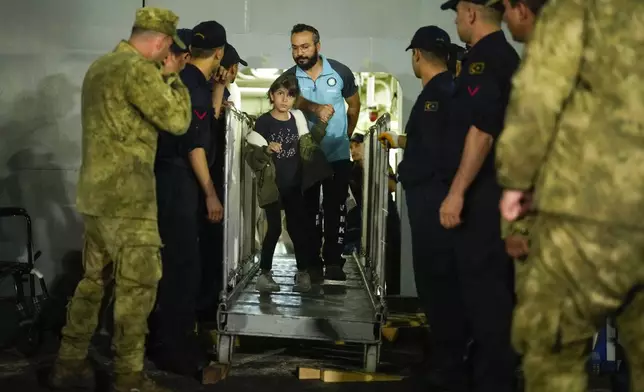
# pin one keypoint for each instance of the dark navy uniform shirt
(175, 150)
(425, 131)
(480, 98)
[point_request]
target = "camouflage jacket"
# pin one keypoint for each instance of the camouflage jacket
(125, 102)
(575, 125)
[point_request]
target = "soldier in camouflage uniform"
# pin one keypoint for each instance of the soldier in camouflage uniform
(575, 134)
(126, 100)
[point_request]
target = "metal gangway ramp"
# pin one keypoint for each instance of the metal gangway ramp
(353, 311)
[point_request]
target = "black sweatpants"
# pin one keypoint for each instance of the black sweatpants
(175, 315)
(335, 190)
(299, 227)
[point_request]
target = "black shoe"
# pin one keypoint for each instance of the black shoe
(180, 363)
(335, 272)
(317, 275)
(185, 358)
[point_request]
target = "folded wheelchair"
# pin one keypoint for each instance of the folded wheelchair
(27, 335)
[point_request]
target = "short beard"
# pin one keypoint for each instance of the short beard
(309, 64)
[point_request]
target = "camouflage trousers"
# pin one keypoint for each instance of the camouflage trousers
(131, 248)
(578, 274)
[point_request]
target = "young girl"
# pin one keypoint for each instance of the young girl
(286, 160)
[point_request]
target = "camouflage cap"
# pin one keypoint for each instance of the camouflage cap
(160, 20)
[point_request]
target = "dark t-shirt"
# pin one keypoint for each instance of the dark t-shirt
(426, 133)
(481, 95)
(175, 150)
(287, 162)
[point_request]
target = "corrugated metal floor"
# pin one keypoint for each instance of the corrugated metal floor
(345, 300)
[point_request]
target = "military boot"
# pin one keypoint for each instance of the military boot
(136, 382)
(72, 375)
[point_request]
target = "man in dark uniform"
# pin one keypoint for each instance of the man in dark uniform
(485, 272)
(178, 57)
(212, 233)
(182, 179)
(425, 180)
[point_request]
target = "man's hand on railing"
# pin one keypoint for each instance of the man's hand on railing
(389, 139)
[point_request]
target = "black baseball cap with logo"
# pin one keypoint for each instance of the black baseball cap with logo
(208, 35)
(429, 38)
(451, 4)
(231, 57)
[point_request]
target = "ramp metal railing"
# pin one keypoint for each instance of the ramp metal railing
(241, 210)
(374, 207)
(242, 215)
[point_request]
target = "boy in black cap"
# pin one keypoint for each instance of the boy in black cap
(471, 206)
(178, 56)
(183, 184)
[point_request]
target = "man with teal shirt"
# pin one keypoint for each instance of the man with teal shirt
(325, 86)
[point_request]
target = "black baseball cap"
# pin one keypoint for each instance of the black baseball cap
(186, 36)
(208, 35)
(428, 38)
(451, 4)
(357, 137)
(231, 57)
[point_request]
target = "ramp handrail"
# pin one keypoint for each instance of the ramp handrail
(240, 212)
(375, 205)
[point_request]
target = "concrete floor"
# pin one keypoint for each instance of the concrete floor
(268, 368)
(259, 364)
(262, 365)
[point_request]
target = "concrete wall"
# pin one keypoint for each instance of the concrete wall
(46, 47)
